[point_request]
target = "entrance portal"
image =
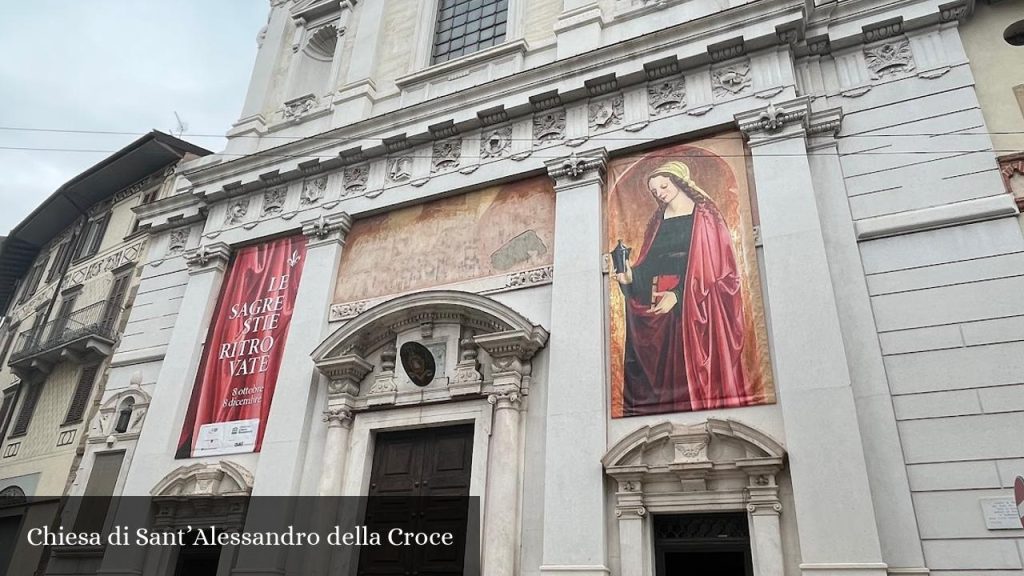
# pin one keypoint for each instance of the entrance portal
(419, 483)
(713, 544)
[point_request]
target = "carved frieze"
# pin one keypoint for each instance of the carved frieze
(496, 142)
(731, 80)
(237, 210)
(105, 264)
(296, 108)
(399, 169)
(445, 155)
(273, 201)
(354, 179)
(666, 95)
(889, 59)
(542, 275)
(549, 125)
(606, 113)
(313, 190)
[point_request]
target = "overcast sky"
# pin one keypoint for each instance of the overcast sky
(113, 65)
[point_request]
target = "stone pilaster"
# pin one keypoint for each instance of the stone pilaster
(814, 388)
(284, 446)
(511, 353)
(577, 400)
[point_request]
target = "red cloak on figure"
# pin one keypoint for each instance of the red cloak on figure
(689, 358)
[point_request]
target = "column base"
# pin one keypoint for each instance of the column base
(844, 569)
(574, 570)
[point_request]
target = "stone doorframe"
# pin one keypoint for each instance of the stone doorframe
(488, 354)
(714, 466)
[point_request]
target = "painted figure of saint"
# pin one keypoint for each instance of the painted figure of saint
(684, 311)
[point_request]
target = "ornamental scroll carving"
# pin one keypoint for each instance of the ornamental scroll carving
(730, 80)
(666, 95)
(549, 125)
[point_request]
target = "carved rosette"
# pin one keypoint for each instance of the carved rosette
(496, 142)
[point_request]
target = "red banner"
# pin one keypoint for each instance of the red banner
(237, 375)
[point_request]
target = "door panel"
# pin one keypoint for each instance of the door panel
(419, 482)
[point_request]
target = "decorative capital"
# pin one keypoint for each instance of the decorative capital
(338, 417)
(772, 119)
(208, 256)
(345, 373)
(324, 227)
(826, 122)
(630, 512)
(575, 166)
(505, 399)
(764, 508)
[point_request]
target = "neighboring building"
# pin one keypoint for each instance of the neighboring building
(725, 286)
(69, 270)
(994, 42)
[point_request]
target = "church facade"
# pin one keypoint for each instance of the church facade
(664, 284)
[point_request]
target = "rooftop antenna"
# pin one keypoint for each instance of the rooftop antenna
(180, 128)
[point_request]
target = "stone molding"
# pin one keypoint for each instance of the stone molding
(577, 167)
(955, 214)
(338, 417)
(327, 229)
(223, 478)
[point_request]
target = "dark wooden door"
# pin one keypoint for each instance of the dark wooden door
(419, 483)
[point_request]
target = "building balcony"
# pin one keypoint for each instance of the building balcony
(80, 336)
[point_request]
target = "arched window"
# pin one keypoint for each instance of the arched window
(124, 415)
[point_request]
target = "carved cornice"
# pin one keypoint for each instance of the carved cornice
(518, 344)
(773, 118)
(208, 256)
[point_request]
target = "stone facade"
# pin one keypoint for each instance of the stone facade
(885, 239)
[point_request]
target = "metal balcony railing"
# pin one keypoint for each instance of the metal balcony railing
(91, 321)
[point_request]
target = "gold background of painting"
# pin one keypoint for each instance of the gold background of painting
(496, 230)
(718, 166)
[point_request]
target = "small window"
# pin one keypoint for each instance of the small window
(32, 280)
(468, 26)
(124, 415)
(1014, 33)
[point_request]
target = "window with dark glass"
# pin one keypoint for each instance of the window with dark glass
(8, 334)
(467, 26)
(93, 236)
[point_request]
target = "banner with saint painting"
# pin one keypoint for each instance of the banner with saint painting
(687, 317)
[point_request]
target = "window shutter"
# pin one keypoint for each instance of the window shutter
(32, 281)
(28, 407)
(9, 336)
(6, 409)
(97, 237)
(63, 315)
(82, 392)
(58, 262)
(115, 299)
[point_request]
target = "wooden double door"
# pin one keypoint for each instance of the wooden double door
(419, 482)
